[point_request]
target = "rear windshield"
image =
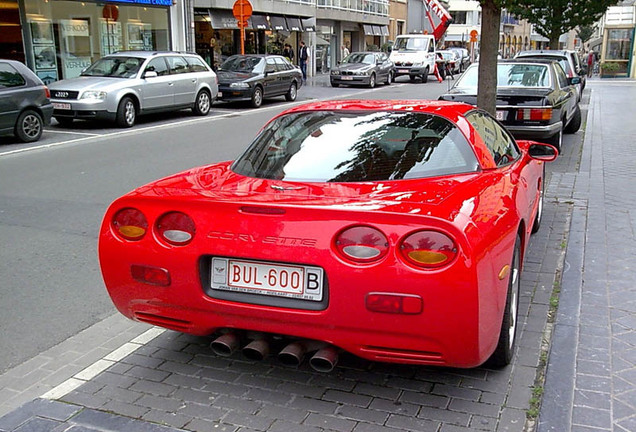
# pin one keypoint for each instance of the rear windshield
(510, 75)
(347, 146)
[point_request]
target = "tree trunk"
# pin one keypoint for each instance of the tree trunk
(488, 48)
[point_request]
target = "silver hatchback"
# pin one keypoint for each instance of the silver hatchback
(121, 86)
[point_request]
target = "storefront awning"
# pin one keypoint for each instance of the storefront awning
(278, 23)
(293, 24)
(259, 22)
(368, 29)
(222, 19)
(384, 30)
(377, 31)
(309, 24)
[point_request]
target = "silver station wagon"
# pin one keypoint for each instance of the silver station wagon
(121, 86)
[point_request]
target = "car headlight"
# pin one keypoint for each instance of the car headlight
(239, 85)
(93, 94)
(362, 72)
(418, 63)
(335, 72)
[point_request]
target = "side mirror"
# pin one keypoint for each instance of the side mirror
(539, 151)
(575, 80)
(150, 74)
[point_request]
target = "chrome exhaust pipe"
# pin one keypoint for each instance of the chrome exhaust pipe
(324, 360)
(292, 355)
(225, 344)
(258, 349)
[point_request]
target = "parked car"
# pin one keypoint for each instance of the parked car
(25, 108)
(363, 68)
(363, 226)
(464, 56)
(256, 77)
(568, 60)
(121, 86)
(535, 100)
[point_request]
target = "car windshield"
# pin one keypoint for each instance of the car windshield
(351, 146)
(359, 58)
(244, 64)
(510, 75)
(411, 44)
(563, 61)
(117, 67)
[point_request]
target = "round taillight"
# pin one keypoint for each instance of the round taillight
(130, 224)
(428, 249)
(176, 228)
(362, 244)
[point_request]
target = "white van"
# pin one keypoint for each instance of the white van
(414, 55)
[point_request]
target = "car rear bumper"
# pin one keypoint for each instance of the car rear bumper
(535, 132)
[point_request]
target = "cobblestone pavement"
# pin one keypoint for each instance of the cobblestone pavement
(137, 378)
(591, 376)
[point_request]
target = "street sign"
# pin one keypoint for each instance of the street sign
(473, 35)
(242, 11)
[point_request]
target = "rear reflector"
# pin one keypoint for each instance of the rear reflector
(394, 303)
(150, 275)
(262, 210)
(534, 113)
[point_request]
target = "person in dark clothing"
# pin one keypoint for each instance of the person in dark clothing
(303, 57)
(288, 52)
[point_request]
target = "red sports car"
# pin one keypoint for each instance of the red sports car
(393, 230)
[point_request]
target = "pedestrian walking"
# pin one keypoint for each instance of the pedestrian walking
(591, 58)
(345, 51)
(303, 58)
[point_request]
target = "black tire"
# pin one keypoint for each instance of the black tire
(126, 113)
(425, 76)
(29, 126)
(372, 81)
(257, 97)
(508, 332)
(537, 219)
(333, 84)
(292, 93)
(556, 140)
(412, 78)
(389, 78)
(202, 103)
(575, 122)
(64, 121)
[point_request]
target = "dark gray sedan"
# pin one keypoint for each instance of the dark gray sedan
(363, 68)
(256, 77)
(25, 107)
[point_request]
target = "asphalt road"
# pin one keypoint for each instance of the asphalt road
(53, 195)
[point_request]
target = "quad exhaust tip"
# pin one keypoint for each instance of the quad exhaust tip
(225, 345)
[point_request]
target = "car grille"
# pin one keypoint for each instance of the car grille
(347, 73)
(405, 63)
(64, 94)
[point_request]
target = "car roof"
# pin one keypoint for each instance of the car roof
(147, 54)
(545, 53)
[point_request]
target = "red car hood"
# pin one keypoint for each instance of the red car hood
(218, 182)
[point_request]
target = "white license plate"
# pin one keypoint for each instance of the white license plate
(501, 115)
(281, 280)
(63, 106)
(346, 78)
(403, 71)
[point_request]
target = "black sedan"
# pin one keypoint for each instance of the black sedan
(535, 99)
(25, 107)
(363, 68)
(256, 77)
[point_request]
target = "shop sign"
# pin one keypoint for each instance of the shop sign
(74, 28)
(73, 66)
(145, 2)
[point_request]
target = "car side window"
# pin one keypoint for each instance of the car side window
(177, 65)
(9, 77)
(196, 64)
(157, 65)
(281, 64)
(561, 77)
(500, 144)
(270, 65)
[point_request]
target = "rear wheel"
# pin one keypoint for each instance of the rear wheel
(292, 93)
(508, 333)
(556, 140)
(257, 97)
(575, 123)
(202, 103)
(29, 126)
(537, 219)
(126, 113)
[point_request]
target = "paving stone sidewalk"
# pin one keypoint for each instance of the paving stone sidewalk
(141, 379)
